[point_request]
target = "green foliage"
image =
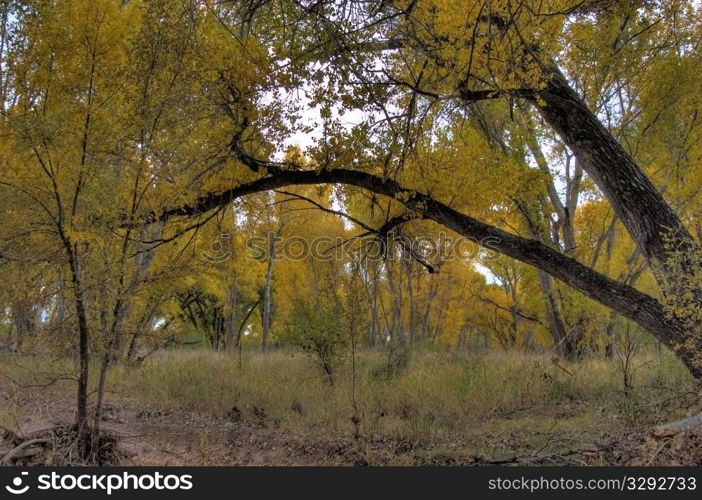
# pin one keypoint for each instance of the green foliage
(318, 331)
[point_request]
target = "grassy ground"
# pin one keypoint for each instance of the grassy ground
(448, 405)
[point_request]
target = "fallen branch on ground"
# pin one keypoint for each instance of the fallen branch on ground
(15, 452)
(671, 429)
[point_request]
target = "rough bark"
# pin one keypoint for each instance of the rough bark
(637, 203)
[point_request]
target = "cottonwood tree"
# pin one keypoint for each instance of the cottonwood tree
(109, 115)
(432, 62)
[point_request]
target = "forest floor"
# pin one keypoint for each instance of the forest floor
(195, 407)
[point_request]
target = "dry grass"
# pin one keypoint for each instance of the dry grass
(490, 404)
(438, 396)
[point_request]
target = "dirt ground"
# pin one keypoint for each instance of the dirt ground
(150, 437)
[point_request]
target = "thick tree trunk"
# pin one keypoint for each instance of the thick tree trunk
(649, 219)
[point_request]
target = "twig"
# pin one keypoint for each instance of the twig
(658, 450)
(555, 362)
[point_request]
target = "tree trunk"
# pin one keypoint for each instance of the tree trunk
(373, 326)
(145, 254)
(229, 330)
(561, 342)
(147, 322)
(564, 212)
(397, 333)
(267, 301)
(649, 219)
(121, 313)
(82, 425)
(412, 320)
(22, 325)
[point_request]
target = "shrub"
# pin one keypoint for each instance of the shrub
(317, 331)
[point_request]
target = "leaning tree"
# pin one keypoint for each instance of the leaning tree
(407, 63)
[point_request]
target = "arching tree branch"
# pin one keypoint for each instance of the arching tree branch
(639, 307)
